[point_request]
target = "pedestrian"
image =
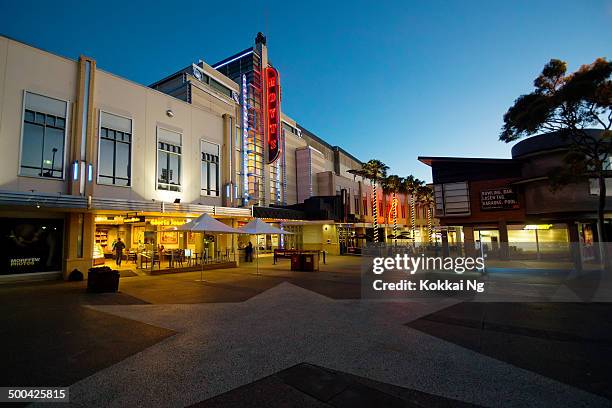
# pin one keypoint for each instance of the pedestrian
(118, 248)
(249, 252)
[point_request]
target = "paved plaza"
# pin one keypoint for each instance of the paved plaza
(282, 338)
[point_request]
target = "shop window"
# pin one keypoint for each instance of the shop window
(44, 135)
(210, 169)
(168, 160)
(115, 154)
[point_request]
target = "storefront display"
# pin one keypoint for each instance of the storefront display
(98, 255)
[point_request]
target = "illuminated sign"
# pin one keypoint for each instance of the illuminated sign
(168, 221)
(392, 208)
(273, 113)
(245, 140)
(504, 198)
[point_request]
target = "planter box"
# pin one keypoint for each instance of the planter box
(102, 279)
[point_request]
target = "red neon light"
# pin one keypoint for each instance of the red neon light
(394, 203)
(273, 113)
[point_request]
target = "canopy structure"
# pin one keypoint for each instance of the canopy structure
(256, 227)
(206, 223)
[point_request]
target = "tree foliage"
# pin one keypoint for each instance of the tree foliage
(571, 105)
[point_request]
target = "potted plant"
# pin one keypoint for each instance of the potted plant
(102, 279)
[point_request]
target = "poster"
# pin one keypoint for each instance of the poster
(169, 237)
(138, 235)
(191, 237)
(31, 245)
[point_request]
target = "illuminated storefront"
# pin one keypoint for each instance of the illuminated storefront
(151, 243)
(507, 205)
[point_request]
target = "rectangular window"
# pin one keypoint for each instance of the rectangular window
(168, 160)
(220, 88)
(210, 169)
(115, 157)
(44, 135)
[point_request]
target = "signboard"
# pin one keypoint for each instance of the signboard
(503, 198)
(30, 245)
(273, 113)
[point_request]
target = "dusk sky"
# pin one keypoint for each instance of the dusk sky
(384, 80)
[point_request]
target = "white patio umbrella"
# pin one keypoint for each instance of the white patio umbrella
(206, 223)
(256, 227)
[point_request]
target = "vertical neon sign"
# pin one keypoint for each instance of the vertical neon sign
(273, 113)
(245, 142)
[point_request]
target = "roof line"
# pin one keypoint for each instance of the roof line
(428, 160)
(226, 60)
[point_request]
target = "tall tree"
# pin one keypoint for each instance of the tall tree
(392, 185)
(426, 198)
(411, 186)
(375, 171)
(571, 104)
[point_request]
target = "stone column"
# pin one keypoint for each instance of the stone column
(503, 239)
(468, 241)
(574, 238)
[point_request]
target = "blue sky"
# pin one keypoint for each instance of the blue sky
(387, 80)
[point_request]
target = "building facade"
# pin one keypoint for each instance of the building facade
(509, 203)
(90, 157)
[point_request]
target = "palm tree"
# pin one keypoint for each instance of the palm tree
(426, 197)
(411, 186)
(375, 171)
(392, 185)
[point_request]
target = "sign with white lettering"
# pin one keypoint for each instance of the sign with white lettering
(503, 198)
(30, 245)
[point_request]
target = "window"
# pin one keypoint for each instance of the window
(452, 199)
(210, 169)
(216, 85)
(114, 161)
(44, 135)
(168, 160)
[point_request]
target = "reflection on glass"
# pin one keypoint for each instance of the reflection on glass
(115, 157)
(42, 152)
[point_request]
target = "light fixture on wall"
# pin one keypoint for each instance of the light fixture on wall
(170, 113)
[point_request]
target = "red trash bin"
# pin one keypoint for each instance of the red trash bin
(296, 262)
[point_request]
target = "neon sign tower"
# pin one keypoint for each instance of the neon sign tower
(262, 156)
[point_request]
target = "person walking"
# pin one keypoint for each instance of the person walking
(249, 252)
(118, 248)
